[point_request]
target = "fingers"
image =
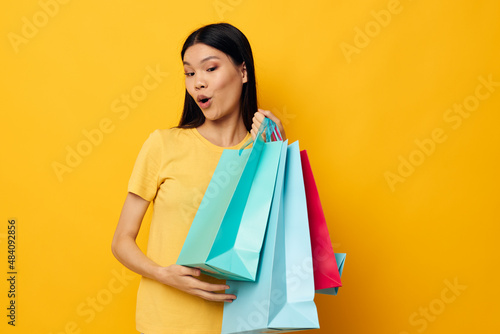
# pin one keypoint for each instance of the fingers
(255, 129)
(209, 286)
(253, 133)
(182, 270)
(259, 115)
(275, 119)
(208, 291)
(185, 279)
(259, 118)
(215, 297)
(256, 122)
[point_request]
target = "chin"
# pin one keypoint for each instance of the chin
(211, 115)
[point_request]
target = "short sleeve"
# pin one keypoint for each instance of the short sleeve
(145, 177)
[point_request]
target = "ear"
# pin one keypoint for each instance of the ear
(244, 76)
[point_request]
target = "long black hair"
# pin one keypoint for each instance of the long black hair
(228, 39)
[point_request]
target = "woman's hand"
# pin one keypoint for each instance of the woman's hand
(184, 279)
(258, 118)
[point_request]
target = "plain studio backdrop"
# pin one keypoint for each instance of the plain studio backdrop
(395, 101)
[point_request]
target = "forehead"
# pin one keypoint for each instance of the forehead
(199, 53)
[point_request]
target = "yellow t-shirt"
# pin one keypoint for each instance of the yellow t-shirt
(173, 169)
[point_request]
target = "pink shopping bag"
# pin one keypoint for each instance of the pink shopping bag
(326, 272)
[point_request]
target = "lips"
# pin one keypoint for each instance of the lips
(200, 98)
(204, 101)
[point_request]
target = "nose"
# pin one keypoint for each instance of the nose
(200, 82)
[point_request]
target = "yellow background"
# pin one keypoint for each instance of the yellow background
(358, 113)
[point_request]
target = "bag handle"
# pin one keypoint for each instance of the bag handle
(270, 128)
(272, 131)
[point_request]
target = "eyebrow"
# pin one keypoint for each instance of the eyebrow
(203, 60)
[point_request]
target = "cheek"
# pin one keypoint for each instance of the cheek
(230, 84)
(189, 88)
(226, 79)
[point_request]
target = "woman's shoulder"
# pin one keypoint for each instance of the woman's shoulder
(172, 136)
(172, 133)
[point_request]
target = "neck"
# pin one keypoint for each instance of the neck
(224, 132)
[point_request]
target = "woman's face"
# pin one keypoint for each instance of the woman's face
(213, 81)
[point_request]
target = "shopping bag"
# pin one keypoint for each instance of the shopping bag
(282, 297)
(340, 257)
(326, 272)
(226, 235)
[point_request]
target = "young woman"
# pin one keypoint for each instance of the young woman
(173, 170)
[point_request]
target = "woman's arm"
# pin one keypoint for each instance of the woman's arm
(125, 249)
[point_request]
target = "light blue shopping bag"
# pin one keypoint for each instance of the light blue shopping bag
(282, 297)
(226, 236)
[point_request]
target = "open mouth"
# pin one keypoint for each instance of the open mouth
(205, 102)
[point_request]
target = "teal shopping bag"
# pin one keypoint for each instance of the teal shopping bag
(340, 258)
(282, 297)
(226, 235)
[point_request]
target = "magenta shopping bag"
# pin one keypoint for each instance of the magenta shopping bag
(326, 272)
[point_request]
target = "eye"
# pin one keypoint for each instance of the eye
(211, 69)
(189, 74)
